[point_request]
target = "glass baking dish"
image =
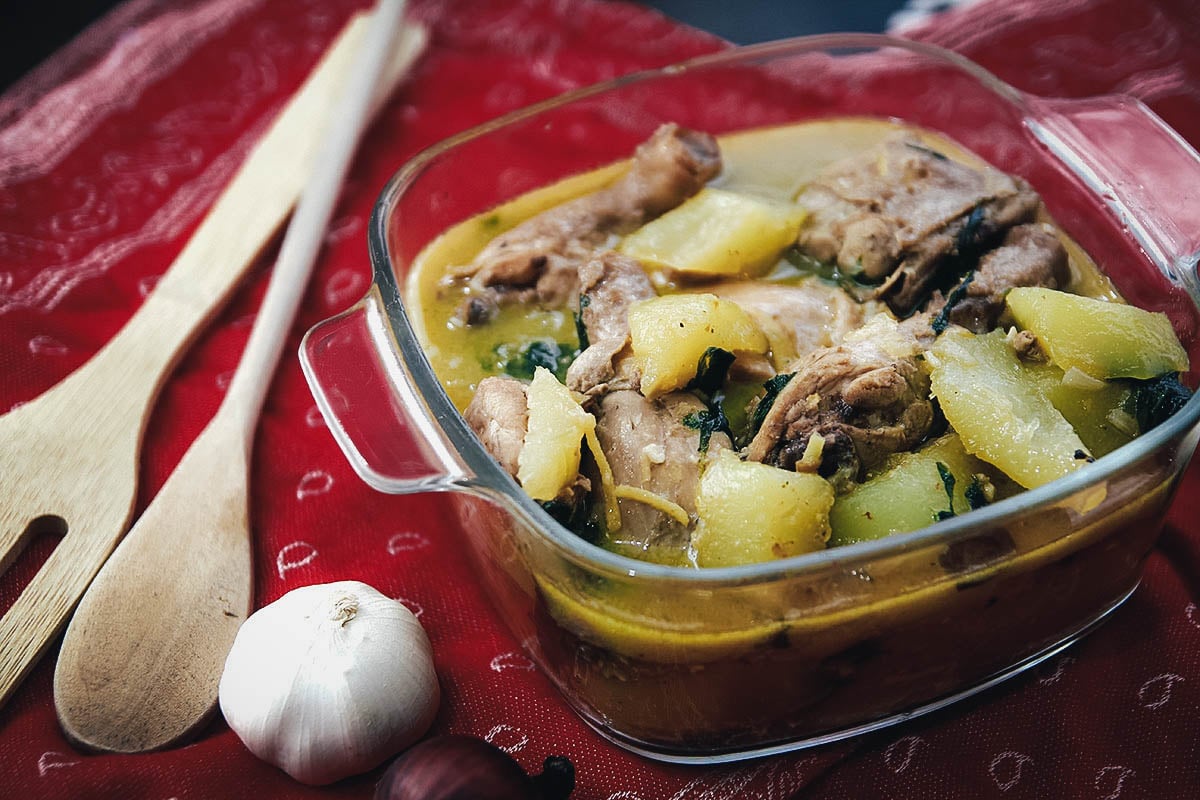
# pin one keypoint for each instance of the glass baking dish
(715, 665)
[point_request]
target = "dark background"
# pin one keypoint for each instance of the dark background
(31, 30)
(749, 21)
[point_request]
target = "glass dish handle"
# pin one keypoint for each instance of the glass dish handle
(1145, 172)
(373, 410)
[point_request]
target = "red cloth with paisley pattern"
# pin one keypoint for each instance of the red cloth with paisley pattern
(111, 151)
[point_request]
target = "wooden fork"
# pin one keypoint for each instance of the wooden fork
(69, 459)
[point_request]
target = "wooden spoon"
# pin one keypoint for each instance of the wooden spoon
(143, 655)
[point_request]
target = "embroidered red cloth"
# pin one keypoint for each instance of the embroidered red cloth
(109, 155)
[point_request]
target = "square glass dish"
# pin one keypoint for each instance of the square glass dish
(719, 664)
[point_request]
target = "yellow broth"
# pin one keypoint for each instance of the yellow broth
(772, 161)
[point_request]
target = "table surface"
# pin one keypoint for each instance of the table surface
(112, 149)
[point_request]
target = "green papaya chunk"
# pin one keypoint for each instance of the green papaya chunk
(996, 405)
(1103, 339)
(910, 492)
(1095, 409)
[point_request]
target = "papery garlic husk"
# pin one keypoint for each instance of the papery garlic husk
(329, 681)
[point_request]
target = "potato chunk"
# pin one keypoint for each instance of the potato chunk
(669, 334)
(717, 233)
(910, 493)
(996, 405)
(1090, 408)
(1103, 339)
(750, 512)
(549, 458)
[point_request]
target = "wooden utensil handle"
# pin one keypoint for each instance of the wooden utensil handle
(351, 112)
(252, 207)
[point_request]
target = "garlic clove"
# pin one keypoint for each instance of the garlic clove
(329, 681)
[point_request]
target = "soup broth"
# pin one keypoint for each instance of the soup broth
(776, 168)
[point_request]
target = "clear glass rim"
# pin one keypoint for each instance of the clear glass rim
(492, 481)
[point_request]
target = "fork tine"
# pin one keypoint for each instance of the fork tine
(43, 608)
(16, 529)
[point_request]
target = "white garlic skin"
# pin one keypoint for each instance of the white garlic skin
(329, 681)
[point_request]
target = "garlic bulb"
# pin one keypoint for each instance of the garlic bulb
(329, 681)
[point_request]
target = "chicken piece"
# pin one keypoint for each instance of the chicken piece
(1030, 255)
(867, 398)
(797, 318)
(608, 285)
(538, 260)
(648, 446)
(904, 214)
(499, 415)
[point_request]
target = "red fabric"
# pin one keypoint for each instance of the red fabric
(109, 154)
